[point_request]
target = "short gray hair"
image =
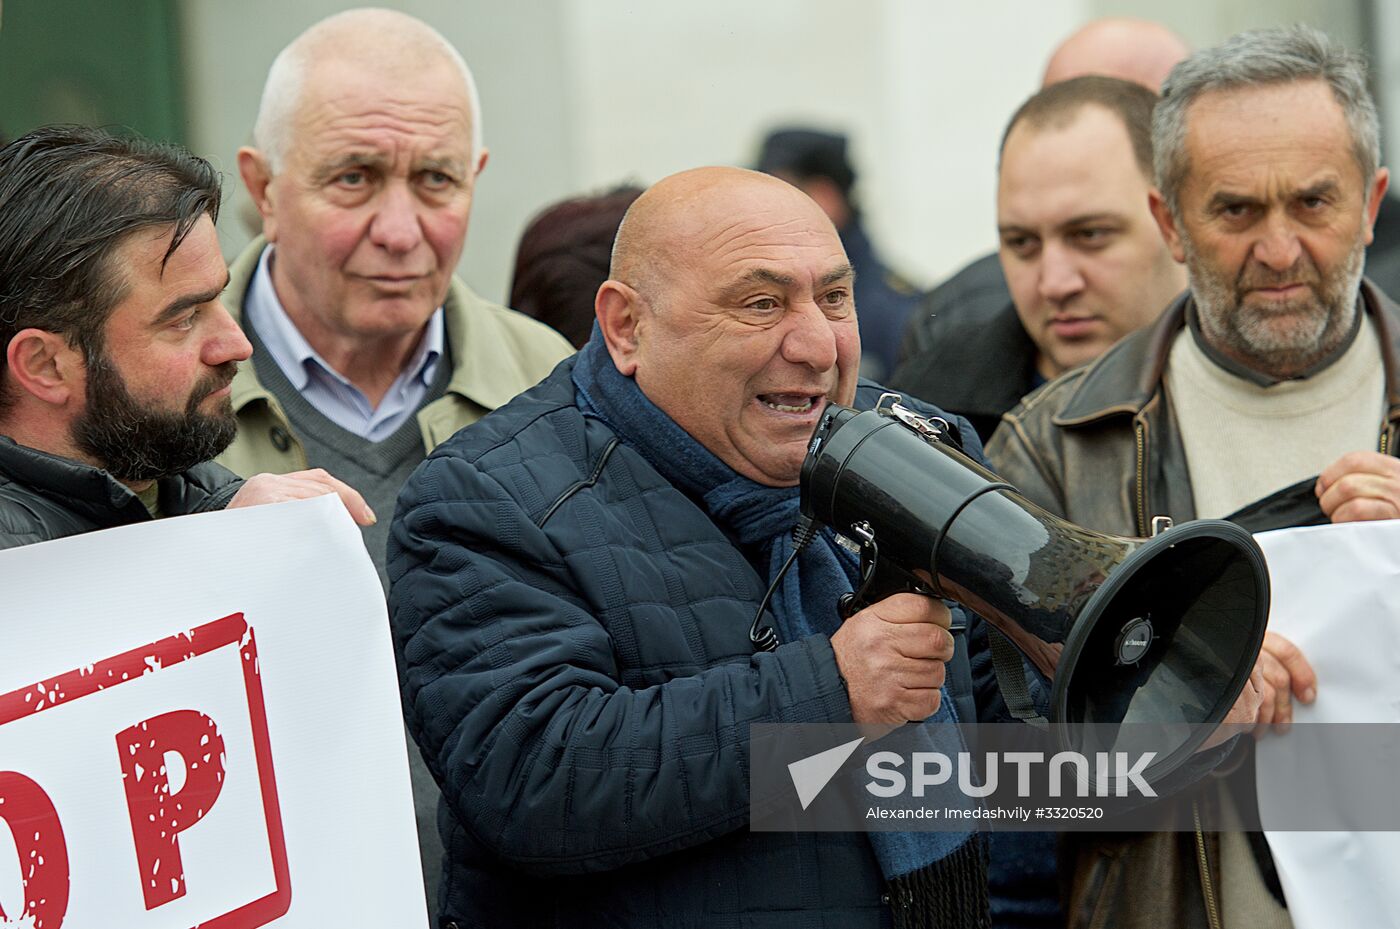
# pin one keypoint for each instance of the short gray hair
(286, 79)
(1257, 59)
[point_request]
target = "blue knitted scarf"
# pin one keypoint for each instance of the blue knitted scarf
(762, 519)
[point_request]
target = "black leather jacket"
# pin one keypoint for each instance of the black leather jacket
(46, 497)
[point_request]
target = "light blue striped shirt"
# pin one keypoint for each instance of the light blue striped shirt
(333, 396)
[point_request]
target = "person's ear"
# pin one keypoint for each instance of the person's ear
(621, 315)
(1379, 184)
(481, 162)
(43, 364)
(1166, 223)
(257, 178)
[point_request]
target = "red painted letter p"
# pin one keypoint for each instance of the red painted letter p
(158, 814)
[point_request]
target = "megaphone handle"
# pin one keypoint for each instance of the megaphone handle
(881, 578)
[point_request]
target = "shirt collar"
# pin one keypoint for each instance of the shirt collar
(1221, 360)
(295, 356)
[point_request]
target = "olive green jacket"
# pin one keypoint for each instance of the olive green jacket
(496, 353)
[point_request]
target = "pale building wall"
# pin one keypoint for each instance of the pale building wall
(583, 94)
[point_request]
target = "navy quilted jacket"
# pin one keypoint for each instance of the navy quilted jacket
(576, 667)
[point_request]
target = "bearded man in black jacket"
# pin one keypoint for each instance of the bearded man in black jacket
(118, 356)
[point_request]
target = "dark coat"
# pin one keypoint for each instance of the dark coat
(978, 364)
(978, 291)
(576, 666)
(46, 497)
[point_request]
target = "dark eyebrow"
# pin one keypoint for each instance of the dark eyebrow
(844, 272)
(179, 305)
(735, 289)
(1222, 199)
(767, 276)
(1321, 188)
(1081, 220)
(1087, 218)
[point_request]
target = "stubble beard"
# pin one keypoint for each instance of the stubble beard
(1287, 337)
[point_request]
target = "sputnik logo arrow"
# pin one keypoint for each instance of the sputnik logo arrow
(814, 772)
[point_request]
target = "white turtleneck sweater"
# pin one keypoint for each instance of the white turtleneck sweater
(1244, 441)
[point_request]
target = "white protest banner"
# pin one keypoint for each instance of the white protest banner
(200, 726)
(1336, 595)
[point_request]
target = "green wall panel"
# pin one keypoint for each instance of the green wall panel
(99, 62)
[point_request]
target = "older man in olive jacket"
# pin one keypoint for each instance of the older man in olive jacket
(368, 352)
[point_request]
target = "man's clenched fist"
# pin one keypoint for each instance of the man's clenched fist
(892, 656)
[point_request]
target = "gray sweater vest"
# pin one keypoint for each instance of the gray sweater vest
(376, 469)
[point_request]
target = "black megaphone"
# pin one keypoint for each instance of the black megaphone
(1163, 630)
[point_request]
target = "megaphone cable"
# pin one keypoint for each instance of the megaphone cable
(764, 637)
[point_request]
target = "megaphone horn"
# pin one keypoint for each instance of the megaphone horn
(1162, 630)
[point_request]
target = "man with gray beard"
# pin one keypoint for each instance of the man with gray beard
(1268, 393)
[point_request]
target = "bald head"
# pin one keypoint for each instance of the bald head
(680, 217)
(368, 150)
(730, 305)
(383, 47)
(1129, 49)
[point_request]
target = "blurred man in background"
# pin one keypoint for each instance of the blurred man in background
(1080, 250)
(817, 164)
(368, 352)
(1129, 49)
(1136, 50)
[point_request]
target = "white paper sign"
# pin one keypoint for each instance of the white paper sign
(200, 726)
(1336, 594)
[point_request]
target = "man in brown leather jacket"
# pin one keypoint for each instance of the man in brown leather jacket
(1276, 370)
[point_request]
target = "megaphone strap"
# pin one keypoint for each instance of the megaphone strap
(1011, 679)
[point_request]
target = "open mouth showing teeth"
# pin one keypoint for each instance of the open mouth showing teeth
(789, 403)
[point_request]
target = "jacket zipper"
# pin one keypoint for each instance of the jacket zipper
(1385, 439)
(1140, 440)
(1212, 912)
